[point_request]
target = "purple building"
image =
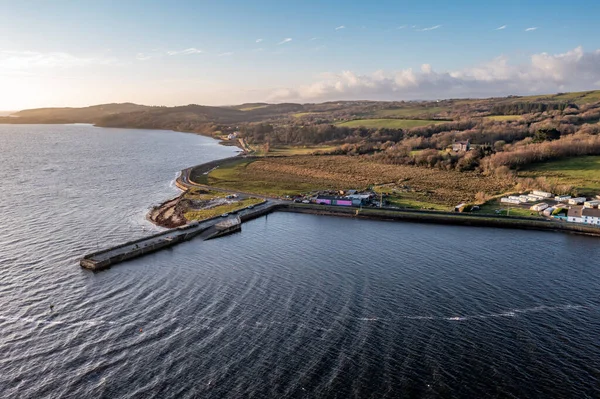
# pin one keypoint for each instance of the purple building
(333, 200)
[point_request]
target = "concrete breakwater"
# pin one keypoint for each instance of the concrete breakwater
(452, 218)
(206, 229)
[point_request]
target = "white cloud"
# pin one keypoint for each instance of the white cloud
(531, 29)
(314, 38)
(191, 50)
(143, 57)
(544, 73)
(25, 60)
(430, 28)
(286, 40)
(340, 27)
(226, 54)
(259, 40)
(501, 27)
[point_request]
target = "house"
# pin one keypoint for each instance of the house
(359, 199)
(561, 198)
(233, 136)
(506, 200)
(579, 214)
(539, 207)
(542, 194)
(591, 204)
(577, 201)
(333, 200)
(458, 146)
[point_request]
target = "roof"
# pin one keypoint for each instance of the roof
(575, 212)
(462, 142)
(330, 197)
(594, 212)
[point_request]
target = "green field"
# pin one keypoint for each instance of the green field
(390, 123)
(411, 112)
(491, 206)
(289, 151)
(504, 118)
(221, 209)
(251, 108)
(232, 176)
(581, 172)
(582, 97)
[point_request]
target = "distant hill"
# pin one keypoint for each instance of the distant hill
(207, 119)
(75, 115)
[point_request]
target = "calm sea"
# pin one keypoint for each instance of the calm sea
(294, 306)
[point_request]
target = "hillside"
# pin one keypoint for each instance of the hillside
(74, 115)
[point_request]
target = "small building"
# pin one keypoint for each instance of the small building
(333, 200)
(561, 198)
(542, 194)
(577, 201)
(579, 214)
(548, 211)
(539, 207)
(458, 146)
(507, 200)
(591, 204)
(523, 198)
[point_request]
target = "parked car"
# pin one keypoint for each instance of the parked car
(224, 215)
(250, 206)
(306, 202)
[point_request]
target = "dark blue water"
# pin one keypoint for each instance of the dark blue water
(294, 306)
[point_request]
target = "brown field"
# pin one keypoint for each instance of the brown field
(291, 175)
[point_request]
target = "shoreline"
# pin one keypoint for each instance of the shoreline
(184, 183)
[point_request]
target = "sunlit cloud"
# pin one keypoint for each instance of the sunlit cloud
(259, 40)
(501, 27)
(531, 29)
(573, 70)
(340, 27)
(191, 50)
(226, 54)
(286, 40)
(430, 28)
(313, 39)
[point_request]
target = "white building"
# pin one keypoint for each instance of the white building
(591, 204)
(578, 214)
(539, 207)
(542, 194)
(506, 200)
(577, 201)
(561, 198)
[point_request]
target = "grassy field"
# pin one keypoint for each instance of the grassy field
(504, 118)
(221, 209)
(288, 151)
(390, 123)
(410, 186)
(411, 112)
(492, 206)
(582, 97)
(253, 107)
(581, 172)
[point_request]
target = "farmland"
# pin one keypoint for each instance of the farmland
(409, 186)
(390, 123)
(581, 172)
(411, 112)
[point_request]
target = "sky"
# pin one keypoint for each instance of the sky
(78, 53)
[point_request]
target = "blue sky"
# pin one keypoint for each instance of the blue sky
(55, 53)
